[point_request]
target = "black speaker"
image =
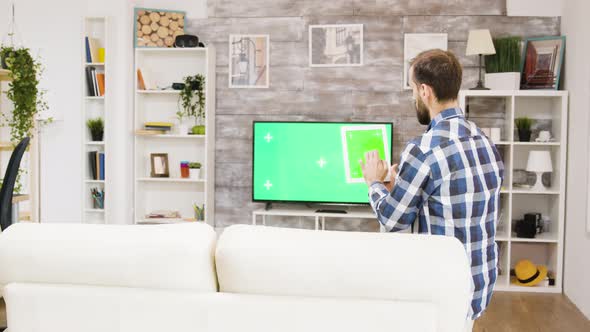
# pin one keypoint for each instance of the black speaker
(526, 228)
(186, 41)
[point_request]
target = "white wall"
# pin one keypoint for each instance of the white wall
(575, 26)
(535, 7)
(53, 29)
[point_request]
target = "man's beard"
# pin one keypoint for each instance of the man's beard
(422, 112)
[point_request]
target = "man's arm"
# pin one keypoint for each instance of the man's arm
(398, 209)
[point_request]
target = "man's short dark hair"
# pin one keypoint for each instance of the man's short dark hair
(440, 70)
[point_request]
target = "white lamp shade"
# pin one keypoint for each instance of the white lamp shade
(480, 42)
(539, 161)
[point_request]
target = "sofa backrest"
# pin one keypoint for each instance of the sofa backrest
(173, 257)
(381, 266)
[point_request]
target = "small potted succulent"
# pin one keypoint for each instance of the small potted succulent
(194, 170)
(96, 127)
(524, 125)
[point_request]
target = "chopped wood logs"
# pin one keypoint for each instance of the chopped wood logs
(158, 29)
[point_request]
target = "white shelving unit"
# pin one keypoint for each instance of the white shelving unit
(166, 66)
(546, 248)
(94, 107)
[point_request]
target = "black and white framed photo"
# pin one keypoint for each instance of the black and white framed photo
(248, 61)
(416, 43)
(336, 45)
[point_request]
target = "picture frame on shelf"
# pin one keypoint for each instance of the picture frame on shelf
(541, 63)
(249, 61)
(416, 43)
(159, 165)
(336, 45)
(157, 27)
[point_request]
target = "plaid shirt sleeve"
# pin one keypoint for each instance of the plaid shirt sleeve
(398, 209)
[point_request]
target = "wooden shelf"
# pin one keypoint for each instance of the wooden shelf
(172, 136)
(94, 210)
(170, 180)
(171, 49)
(5, 75)
(540, 238)
(510, 93)
(533, 192)
(159, 221)
(546, 248)
(158, 92)
(536, 144)
(20, 198)
(155, 104)
(94, 181)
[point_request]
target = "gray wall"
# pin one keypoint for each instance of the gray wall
(372, 92)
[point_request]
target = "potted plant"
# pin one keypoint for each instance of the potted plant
(503, 68)
(24, 93)
(96, 127)
(182, 124)
(194, 170)
(192, 101)
(524, 128)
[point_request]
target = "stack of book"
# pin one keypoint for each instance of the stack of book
(95, 81)
(155, 128)
(96, 162)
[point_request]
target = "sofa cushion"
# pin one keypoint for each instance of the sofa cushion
(400, 267)
(149, 256)
(98, 309)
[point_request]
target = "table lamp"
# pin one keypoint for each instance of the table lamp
(480, 43)
(539, 162)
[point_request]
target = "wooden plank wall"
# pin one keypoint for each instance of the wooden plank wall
(372, 92)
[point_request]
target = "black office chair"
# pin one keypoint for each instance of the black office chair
(8, 184)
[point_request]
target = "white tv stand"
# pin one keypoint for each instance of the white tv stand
(320, 217)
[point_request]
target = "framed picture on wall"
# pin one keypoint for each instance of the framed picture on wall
(336, 45)
(157, 27)
(416, 43)
(541, 63)
(159, 165)
(249, 61)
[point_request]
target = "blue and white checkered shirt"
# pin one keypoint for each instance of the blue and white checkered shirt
(450, 178)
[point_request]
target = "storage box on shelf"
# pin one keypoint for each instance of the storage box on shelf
(156, 102)
(95, 104)
(549, 110)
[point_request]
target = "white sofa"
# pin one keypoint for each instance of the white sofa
(71, 278)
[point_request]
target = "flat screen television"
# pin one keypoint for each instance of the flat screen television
(315, 162)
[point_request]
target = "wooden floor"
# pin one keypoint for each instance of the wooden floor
(508, 312)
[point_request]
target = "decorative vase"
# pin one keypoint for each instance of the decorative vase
(97, 136)
(195, 173)
(524, 135)
(198, 130)
(503, 81)
(182, 128)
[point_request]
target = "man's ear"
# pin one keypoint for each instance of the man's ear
(427, 93)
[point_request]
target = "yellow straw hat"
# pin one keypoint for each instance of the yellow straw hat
(529, 274)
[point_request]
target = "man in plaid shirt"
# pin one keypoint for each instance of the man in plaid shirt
(449, 178)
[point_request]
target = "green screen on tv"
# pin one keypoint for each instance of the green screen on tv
(315, 162)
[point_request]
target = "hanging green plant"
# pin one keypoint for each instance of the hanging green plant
(28, 100)
(192, 100)
(23, 91)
